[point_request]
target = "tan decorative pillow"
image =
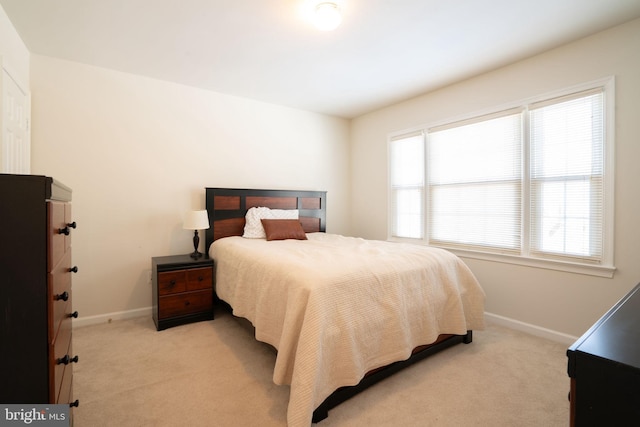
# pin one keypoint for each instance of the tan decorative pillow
(282, 229)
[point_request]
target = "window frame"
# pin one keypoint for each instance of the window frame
(602, 268)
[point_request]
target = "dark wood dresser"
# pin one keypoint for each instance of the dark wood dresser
(182, 290)
(604, 367)
(36, 355)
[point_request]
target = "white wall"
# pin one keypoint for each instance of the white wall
(138, 153)
(562, 302)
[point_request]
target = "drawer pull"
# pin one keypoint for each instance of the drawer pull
(66, 360)
(76, 404)
(73, 269)
(200, 278)
(172, 283)
(66, 230)
(74, 314)
(63, 296)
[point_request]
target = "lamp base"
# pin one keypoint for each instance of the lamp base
(196, 241)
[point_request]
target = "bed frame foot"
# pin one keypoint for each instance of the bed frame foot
(319, 414)
(468, 338)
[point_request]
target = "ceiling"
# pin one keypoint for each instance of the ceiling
(383, 52)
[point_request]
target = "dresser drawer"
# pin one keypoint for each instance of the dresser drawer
(59, 293)
(185, 303)
(61, 353)
(64, 394)
(57, 241)
(172, 282)
(199, 278)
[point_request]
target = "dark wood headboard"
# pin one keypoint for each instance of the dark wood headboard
(227, 208)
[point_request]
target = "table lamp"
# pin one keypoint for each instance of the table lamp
(196, 220)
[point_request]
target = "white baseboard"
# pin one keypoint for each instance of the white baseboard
(490, 317)
(109, 317)
(530, 329)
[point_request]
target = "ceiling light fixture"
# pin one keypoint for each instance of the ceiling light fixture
(327, 16)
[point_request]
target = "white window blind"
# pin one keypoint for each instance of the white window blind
(567, 166)
(531, 185)
(407, 185)
(475, 179)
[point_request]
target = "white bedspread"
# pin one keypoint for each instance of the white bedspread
(336, 307)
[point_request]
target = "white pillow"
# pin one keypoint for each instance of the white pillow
(253, 227)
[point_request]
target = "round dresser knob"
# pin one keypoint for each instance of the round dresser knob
(63, 296)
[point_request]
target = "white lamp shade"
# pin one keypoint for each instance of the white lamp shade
(196, 220)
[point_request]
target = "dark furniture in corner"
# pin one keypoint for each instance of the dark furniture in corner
(604, 366)
(36, 355)
(182, 290)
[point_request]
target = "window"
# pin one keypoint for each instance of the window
(567, 142)
(475, 181)
(407, 185)
(527, 184)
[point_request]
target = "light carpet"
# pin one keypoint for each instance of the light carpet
(215, 373)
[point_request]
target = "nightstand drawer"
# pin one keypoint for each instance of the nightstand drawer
(199, 278)
(182, 290)
(185, 303)
(172, 282)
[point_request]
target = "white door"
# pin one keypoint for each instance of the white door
(15, 144)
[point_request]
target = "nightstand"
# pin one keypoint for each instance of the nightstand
(182, 290)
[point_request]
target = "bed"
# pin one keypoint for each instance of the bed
(342, 312)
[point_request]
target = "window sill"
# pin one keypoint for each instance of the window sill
(547, 264)
(568, 267)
